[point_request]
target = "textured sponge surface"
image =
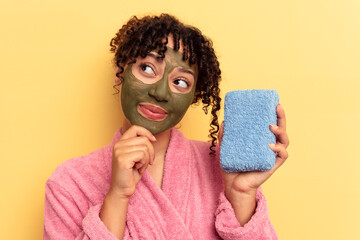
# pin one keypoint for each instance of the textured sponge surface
(247, 118)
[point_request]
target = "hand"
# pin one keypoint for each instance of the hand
(247, 183)
(132, 154)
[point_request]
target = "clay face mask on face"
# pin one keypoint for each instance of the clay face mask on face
(156, 106)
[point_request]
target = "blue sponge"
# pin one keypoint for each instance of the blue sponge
(247, 118)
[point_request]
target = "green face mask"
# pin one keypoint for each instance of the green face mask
(156, 106)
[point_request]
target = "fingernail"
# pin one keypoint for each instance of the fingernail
(271, 145)
(154, 138)
(274, 126)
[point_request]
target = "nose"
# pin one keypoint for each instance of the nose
(160, 90)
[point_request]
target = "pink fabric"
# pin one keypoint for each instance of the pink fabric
(190, 205)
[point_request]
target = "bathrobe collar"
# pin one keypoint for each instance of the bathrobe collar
(155, 213)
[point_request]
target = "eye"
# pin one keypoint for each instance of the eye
(181, 83)
(147, 69)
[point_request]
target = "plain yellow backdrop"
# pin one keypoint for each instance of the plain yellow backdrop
(56, 98)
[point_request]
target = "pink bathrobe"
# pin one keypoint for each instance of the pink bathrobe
(190, 205)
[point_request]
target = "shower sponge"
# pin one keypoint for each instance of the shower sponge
(246, 138)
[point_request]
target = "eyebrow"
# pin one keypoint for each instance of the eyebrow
(186, 71)
(157, 57)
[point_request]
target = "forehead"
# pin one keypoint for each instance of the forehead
(172, 45)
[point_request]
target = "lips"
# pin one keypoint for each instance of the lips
(152, 112)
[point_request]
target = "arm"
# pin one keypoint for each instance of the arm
(257, 227)
(64, 220)
(241, 188)
(131, 156)
(243, 203)
(113, 213)
(65, 217)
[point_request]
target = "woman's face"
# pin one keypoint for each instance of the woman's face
(156, 93)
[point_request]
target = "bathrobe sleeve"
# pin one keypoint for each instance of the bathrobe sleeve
(63, 218)
(259, 226)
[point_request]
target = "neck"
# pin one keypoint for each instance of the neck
(162, 139)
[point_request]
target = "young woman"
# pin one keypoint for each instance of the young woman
(151, 182)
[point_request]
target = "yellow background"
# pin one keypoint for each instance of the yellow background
(56, 98)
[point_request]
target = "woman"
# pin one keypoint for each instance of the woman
(151, 182)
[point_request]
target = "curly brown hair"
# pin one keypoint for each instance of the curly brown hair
(140, 36)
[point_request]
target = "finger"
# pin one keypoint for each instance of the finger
(281, 154)
(281, 118)
(221, 133)
(141, 166)
(124, 147)
(137, 143)
(138, 165)
(145, 157)
(281, 135)
(135, 131)
(129, 160)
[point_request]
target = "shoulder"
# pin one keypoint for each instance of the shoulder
(88, 175)
(89, 166)
(83, 168)
(80, 163)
